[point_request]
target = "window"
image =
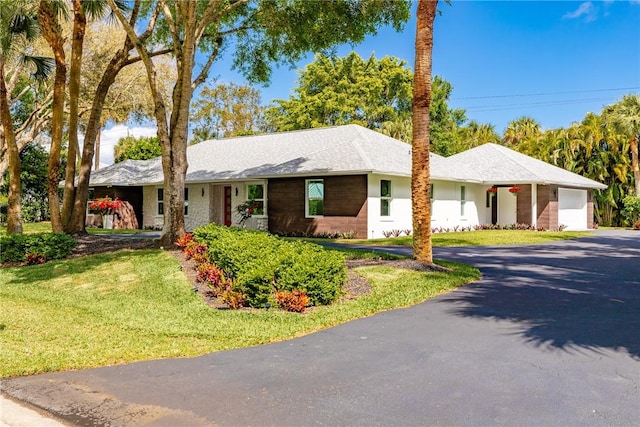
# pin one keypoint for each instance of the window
(463, 199)
(160, 201)
(315, 197)
(385, 197)
(186, 201)
(255, 192)
(431, 193)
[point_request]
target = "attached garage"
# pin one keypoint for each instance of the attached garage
(572, 208)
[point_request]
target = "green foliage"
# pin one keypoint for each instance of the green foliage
(33, 178)
(335, 91)
(23, 247)
(133, 148)
(631, 210)
(260, 264)
(226, 111)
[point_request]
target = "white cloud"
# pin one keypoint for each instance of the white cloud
(586, 10)
(109, 138)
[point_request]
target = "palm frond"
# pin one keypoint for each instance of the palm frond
(43, 66)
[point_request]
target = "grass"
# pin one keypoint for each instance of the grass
(137, 305)
(479, 238)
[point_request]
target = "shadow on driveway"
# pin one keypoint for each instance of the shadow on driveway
(569, 295)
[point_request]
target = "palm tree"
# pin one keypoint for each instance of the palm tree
(521, 130)
(420, 171)
(18, 26)
(625, 118)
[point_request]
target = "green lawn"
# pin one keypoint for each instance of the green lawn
(138, 305)
(479, 238)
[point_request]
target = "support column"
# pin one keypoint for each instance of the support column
(534, 205)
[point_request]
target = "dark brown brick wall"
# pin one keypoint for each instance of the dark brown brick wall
(524, 204)
(345, 205)
(547, 207)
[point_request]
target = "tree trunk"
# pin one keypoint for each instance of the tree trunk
(14, 217)
(52, 32)
(77, 41)
(92, 134)
(96, 164)
(420, 173)
(634, 163)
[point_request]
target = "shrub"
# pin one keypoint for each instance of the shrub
(295, 300)
(631, 210)
(260, 264)
(636, 226)
(40, 246)
(184, 240)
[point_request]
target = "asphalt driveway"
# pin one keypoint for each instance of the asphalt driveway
(550, 336)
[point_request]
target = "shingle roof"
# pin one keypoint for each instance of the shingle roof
(496, 164)
(349, 149)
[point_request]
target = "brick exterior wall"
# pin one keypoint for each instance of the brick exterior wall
(524, 204)
(548, 207)
(345, 206)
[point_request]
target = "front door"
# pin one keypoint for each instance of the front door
(227, 206)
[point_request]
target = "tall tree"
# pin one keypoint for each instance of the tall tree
(335, 91)
(625, 117)
(444, 121)
(420, 165)
(142, 148)
(264, 32)
(521, 130)
(18, 25)
(227, 110)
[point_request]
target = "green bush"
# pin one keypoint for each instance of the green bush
(16, 247)
(631, 210)
(261, 264)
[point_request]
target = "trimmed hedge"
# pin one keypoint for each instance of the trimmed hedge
(262, 264)
(38, 246)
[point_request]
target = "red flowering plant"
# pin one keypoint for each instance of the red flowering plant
(514, 190)
(105, 205)
(492, 189)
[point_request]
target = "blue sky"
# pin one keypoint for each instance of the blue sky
(498, 54)
(554, 61)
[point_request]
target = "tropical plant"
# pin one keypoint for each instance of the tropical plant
(18, 26)
(142, 148)
(625, 118)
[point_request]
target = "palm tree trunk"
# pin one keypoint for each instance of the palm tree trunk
(420, 172)
(79, 28)
(14, 220)
(52, 32)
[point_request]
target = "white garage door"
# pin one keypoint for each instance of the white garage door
(572, 208)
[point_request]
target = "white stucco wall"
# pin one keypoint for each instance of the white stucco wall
(446, 208)
(400, 207)
(199, 205)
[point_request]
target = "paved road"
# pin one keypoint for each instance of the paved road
(550, 336)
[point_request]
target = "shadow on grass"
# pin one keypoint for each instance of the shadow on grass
(73, 266)
(583, 294)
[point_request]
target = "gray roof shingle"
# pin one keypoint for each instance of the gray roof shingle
(349, 149)
(496, 164)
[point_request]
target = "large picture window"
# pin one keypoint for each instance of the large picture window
(255, 192)
(314, 197)
(385, 197)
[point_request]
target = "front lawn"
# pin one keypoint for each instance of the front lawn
(138, 305)
(479, 238)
